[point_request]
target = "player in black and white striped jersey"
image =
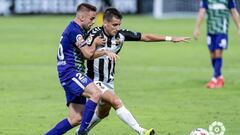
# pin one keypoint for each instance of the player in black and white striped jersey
(101, 69)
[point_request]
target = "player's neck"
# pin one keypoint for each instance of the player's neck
(77, 21)
(105, 32)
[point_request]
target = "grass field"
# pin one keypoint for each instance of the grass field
(162, 84)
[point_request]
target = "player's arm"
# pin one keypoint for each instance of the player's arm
(236, 19)
(234, 12)
(112, 56)
(88, 50)
(92, 40)
(136, 36)
(158, 38)
(200, 18)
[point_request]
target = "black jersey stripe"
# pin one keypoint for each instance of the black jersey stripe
(119, 49)
(109, 69)
(90, 70)
(109, 42)
(101, 69)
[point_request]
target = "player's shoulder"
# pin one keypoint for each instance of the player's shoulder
(73, 28)
(96, 30)
(123, 30)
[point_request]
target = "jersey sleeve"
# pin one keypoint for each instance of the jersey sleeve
(204, 4)
(77, 36)
(131, 36)
(92, 34)
(231, 4)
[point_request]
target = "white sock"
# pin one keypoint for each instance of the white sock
(127, 117)
(95, 120)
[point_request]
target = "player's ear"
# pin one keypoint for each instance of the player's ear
(80, 17)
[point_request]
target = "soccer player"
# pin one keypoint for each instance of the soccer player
(73, 49)
(101, 69)
(218, 12)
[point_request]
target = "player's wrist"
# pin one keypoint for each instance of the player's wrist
(168, 38)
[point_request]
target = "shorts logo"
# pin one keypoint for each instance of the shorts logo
(216, 128)
(81, 77)
(100, 85)
(223, 43)
(209, 40)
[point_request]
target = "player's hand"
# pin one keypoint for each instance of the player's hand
(196, 33)
(180, 39)
(99, 41)
(112, 56)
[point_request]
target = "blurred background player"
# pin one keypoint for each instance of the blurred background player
(73, 49)
(218, 12)
(101, 5)
(104, 4)
(101, 69)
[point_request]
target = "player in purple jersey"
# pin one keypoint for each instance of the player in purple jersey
(218, 12)
(101, 69)
(73, 49)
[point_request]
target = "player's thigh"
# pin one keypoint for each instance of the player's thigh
(91, 90)
(112, 99)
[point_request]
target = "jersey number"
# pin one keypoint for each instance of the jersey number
(60, 51)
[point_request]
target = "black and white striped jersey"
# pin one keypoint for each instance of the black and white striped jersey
(102, 68)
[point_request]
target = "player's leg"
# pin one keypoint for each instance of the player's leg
(123, 113)
(93, 93)
(211, 46)
(101, 112)
(218, 63)
(75, 106)
(217, 43)
(221, 44)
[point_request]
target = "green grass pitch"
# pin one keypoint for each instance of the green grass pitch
(162, 84)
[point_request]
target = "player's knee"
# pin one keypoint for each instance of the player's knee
(116, 103)
(103, 114)
(75, 120)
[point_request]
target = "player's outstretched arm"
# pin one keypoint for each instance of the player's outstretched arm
(199, 21)
(157, 38)
(236, 19)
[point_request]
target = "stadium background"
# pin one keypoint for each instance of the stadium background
(162, 84)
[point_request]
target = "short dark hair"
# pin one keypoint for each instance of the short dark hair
(110, 13)
(86, 7)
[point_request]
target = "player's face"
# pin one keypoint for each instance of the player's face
(89, 20)
(112, 27)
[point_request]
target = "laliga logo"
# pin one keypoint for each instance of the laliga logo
(216, 128)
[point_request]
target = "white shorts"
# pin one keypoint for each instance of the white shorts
(105, 86)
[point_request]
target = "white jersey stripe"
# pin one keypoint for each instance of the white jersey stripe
(78, 83)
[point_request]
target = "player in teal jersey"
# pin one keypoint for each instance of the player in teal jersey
(218, 12)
